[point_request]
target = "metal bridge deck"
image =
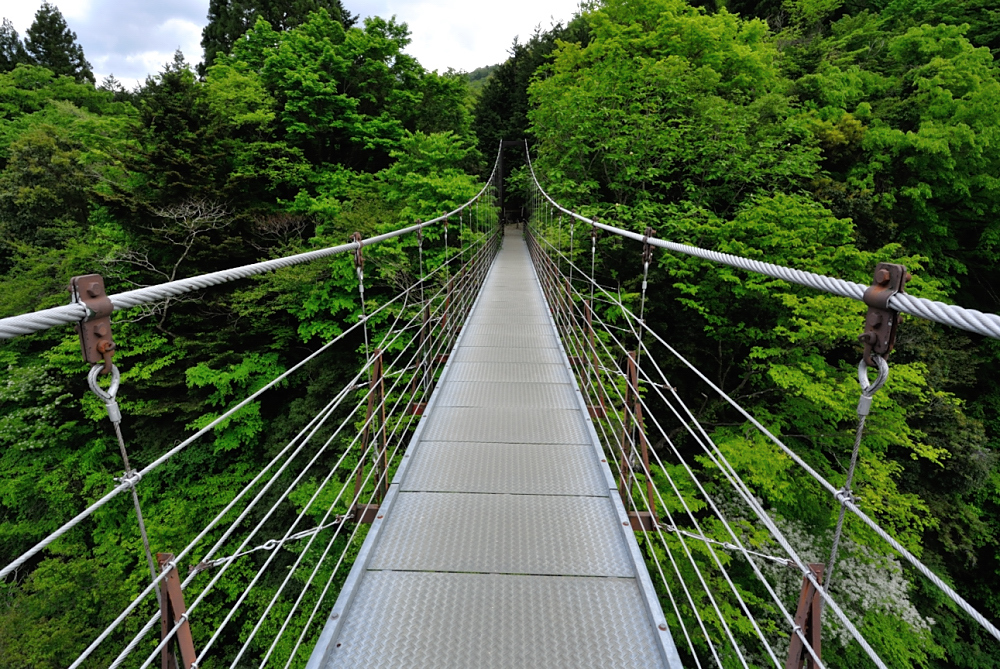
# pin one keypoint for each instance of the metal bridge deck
(503, 542)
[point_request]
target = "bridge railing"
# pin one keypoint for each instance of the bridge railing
(685, 523)
(267, 565)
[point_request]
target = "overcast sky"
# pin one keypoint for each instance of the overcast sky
(134, 38)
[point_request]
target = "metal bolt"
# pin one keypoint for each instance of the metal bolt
(94, 289)
(379, 516)
(603, 460)
(625, 523)
(335, 616)
(882, 276)
(662, 627)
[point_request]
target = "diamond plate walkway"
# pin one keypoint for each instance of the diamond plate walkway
(503, 542)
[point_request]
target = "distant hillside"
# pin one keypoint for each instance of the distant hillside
(479, 76)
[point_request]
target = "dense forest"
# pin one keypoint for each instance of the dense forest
(826, 135)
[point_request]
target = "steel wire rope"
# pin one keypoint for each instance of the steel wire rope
(721, 517)
(608, 440)
(320, 418)
(44, 319)
(253, 533)
(246, 511)
(628, 410)
(916, 563)
(215, 579)
(293, 569)
(126, 485)
(225, 567)
(152, 620)
(669, 552)
(312, 538)
(650, 413)
(765, 518)
(864, 644)
(318, 603)
(948, 314)
(350, 387)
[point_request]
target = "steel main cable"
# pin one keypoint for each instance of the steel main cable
(848, 504)
(15, 326)
(128, 484)
(201, 596)
(971, 320)
(689, 513)
(149, 625)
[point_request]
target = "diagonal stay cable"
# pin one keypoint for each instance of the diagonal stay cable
(732, 585)
(687, 551)
(253, 503)
(215, 579)
(149, 625)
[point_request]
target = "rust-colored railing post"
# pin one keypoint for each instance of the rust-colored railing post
(808, 619)
(633, 380)
(172, 611)
(589, 311)
(625, 474)
(365, 513)
(382, 460)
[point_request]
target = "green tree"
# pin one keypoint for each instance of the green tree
(229, 20)
(51, 44)
(11, 48)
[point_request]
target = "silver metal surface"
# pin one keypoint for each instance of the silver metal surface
(487, 354)
(539, 469)
(503, 534)
(506, 424)
(468, 621)
(502, 542)
(509, 372)
(525, 395)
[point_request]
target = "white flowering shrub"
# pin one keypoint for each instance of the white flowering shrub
(870, 587)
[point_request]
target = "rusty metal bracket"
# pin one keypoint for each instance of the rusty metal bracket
(173, 611)
(647, 248)
(807, 619)
(881, 322)
(94, 330)
(359, 256)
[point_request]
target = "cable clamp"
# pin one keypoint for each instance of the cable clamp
(132, 478)
(647, 248)
(844, 495)
(95, 329)
(879, 335)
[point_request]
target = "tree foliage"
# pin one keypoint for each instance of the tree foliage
(52, 45)
(826, 135)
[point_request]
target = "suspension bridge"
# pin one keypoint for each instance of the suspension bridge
(488, 495)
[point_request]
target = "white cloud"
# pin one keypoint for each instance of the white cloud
(134, 38)
(21, 14)
(466, 35)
